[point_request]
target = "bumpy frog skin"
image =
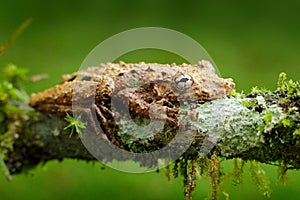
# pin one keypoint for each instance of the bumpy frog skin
(148, 89)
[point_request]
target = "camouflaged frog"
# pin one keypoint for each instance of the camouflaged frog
(187, 82)
(147, 90)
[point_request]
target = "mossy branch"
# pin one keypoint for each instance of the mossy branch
(262, 126)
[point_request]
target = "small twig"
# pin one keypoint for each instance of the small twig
(15, 35)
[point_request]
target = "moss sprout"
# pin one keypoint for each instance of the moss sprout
(75, 124)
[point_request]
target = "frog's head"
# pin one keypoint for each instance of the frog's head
(198, 85)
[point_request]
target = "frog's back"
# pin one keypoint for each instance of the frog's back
(145, 71)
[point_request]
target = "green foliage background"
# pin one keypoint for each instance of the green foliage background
(250, 41)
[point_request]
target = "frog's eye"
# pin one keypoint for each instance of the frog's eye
(81, 78)
(86, 78)
(183, 81)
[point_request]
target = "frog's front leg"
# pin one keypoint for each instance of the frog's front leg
(100, 111)
(160, 110)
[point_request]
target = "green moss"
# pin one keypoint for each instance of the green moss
(280, 127)
(16, 76)
(13, 110)
(4, 168)
(249, 103)
(296, 133)
(214, 173)
(237, 174)
(282, 170)
(191, 170)
(233, 93)
(281, 82)
(258, 91)
(258, 175)
(289, 88)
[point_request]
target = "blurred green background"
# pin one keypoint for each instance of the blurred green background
(250, 41)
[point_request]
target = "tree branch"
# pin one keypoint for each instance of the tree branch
(262, 126)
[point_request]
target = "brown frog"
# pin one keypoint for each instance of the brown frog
(148, 90)
(189, 82)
